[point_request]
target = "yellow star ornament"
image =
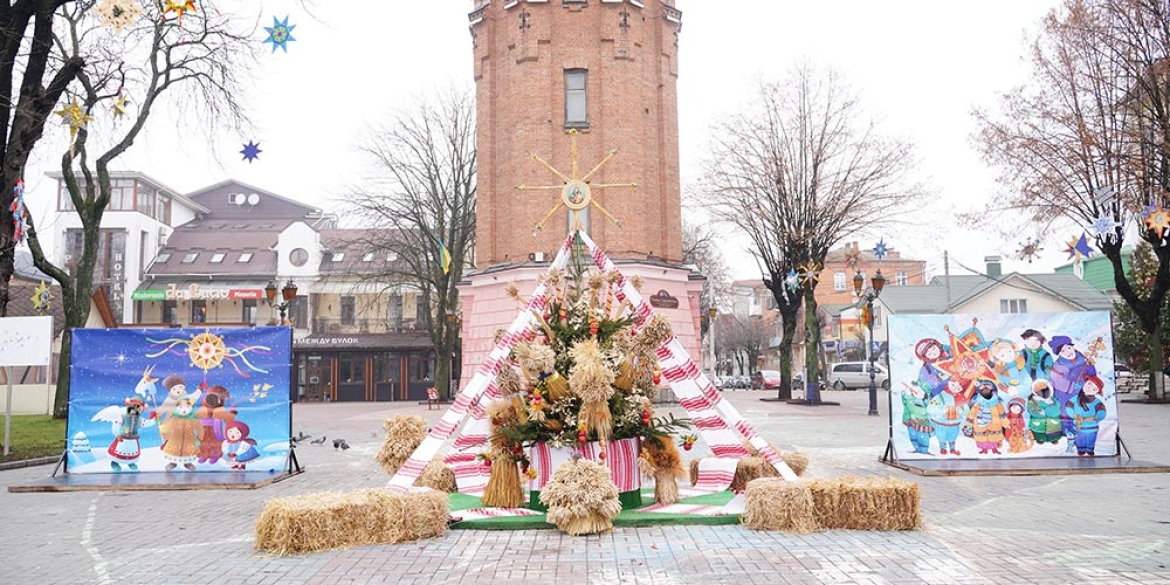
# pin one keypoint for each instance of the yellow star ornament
(41, 298)
(179, 8)
(74, 116)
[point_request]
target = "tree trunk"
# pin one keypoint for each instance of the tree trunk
(1157, 388)
(812, 342)
(61, 396)
(788, 333)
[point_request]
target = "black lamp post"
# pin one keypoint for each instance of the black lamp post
(712, 312)
(287, 293)
(867, 295)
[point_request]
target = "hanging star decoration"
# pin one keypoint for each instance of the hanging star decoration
(1029, 250)
(120, 105)
(852, 256)
(118, 14)
(179, 8)
(279, 34)
(251, 151)
(810, 273)
(792, 280)
(19, 213)
(1158, 221)
(881, 249)
(1105, 227)
(1147, 210)
(41, 298)
(1078, 248)
(74, 116)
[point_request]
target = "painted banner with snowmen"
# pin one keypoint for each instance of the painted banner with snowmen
(179, 400)
(1002, 386)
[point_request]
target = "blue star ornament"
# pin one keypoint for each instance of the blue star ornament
(251, 151)
(279, 34)
(881, 249)
(1104, 227)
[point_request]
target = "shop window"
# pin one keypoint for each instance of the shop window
(351, 369)
(170, 312)
(250, 313)
(199, 311)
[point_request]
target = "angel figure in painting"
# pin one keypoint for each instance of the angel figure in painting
(126, 421)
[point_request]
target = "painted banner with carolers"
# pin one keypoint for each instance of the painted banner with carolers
(1002, 386)
(179, 400)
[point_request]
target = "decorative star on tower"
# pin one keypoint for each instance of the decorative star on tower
(279, 34)
(251, 151)
(576, 192)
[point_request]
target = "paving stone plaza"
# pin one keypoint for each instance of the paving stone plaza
(1099, 529)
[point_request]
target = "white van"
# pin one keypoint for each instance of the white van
(850, 375)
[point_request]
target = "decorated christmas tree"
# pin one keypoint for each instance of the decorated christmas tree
(582, 380)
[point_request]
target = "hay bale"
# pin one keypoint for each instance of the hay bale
(581, 498)
(751, 468)
(326, 521)
(404, 433)
(437, 476)
(775, 504)
(878, 503)
(797, 462)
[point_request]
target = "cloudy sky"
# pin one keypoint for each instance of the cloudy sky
(920, 66)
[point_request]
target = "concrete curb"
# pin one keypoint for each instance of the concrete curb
(27, 463)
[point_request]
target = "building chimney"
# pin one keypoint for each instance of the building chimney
(994, 269)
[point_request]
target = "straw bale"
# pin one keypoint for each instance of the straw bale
(775, 504)
(327, 521)
(404, 433)
(797, 462)
(872, 503)
(581, 498)
(437, 476)
(750, 468)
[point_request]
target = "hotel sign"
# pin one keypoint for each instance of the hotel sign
(193, 292)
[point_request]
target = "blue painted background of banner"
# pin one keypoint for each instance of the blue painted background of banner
(210, 400)
(1046, 403)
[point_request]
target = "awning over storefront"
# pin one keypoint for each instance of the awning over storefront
(385, 341)
(207, 290)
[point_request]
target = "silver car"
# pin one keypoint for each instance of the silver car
(850, 375)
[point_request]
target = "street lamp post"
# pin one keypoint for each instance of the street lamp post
(867, 296)
(712, 312)
(288, 292)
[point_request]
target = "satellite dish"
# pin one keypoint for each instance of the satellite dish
(239, 198)
(253, 199)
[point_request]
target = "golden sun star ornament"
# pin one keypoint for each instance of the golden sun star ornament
(810, 272)
(74, 116)
(41, 298)
(1158, 221)
(118, 14)
(576, 191)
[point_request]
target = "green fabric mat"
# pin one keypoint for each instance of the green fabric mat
(628, 518)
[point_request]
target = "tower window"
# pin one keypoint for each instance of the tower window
(576, 100)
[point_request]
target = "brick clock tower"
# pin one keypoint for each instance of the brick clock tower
(568, 82)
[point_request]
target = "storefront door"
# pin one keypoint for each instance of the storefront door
(317, 376)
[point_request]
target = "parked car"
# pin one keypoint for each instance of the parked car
(765, 380)
(851, 375)
(742, 382)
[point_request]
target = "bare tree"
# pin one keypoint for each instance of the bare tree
(26, 60)
(202, 54)
(1087, 140)
(797, 171)
(700, 249)
(422, 192)
(744, 338)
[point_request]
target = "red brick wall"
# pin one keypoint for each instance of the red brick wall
(632, 107)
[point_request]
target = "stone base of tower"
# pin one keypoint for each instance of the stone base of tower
(486, 307)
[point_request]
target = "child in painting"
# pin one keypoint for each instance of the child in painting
(1037, 360)
(931, 351)
(181, 435)
(125, 448)
(1018, 436)
(986, 420)
(1044, 414)
(1087, 411)
(946, 411)
(1068, 374)
(238, 447)
(1008, 364)
(915, 417)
